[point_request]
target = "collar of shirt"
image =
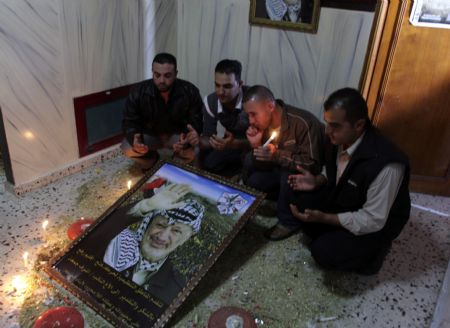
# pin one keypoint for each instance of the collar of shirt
(238, 103)
(351, 150)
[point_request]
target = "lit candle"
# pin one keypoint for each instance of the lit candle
(19, 283)
(25, 259)
(129, 184)
(272, 137)
(44, 237)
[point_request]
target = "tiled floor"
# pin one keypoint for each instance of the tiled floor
(277, 282)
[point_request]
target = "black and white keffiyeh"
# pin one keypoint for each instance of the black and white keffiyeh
(277, 9)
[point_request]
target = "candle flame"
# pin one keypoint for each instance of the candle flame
(45, 224)
(129, 184)
(19, 283)
(274, 135)
(25, 258)
(82, 218)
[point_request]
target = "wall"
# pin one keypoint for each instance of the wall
(300, 68)
(54, 50)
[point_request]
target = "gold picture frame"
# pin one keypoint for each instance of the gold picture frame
(298, 15)
(100, 268)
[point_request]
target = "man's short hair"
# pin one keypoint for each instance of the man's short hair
(351, 101)
(258, 92)
(230, 66)
(165, 58)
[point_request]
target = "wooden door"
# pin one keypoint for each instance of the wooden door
(408, 93)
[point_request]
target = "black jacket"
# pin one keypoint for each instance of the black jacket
(350, 194)
(146, 112)
(165, 284)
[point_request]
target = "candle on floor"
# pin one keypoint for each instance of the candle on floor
(129, 184)
(272, 137)
(61, 316)
(44, 227)
(25, 259)
(19, 284)
(231, 316)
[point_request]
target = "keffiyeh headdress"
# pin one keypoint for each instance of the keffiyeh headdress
(123, 251)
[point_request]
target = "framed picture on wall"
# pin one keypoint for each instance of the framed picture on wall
(140, 260)
(360, 5)
(300, 15)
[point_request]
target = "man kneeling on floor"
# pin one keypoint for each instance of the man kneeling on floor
(362, 199)
(163, 113)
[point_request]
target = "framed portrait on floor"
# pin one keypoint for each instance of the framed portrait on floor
(141, 258)
(300, 15)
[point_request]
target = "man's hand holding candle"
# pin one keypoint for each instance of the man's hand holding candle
(265, 154)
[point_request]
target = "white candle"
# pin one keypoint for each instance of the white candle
(25, 259)
(129, 184)
(272, 137)
(44, 225)
(44, 237)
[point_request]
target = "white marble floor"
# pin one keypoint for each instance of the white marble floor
(403, 294)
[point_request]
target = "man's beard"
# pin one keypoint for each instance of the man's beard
(152, 254)
(163, 87)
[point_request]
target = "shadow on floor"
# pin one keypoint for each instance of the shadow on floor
(248, 241)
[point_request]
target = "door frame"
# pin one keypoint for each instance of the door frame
(388, 20)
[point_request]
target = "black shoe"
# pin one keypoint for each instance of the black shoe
(279, 232)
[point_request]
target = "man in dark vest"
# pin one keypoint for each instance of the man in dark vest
(162, 113)
(362, 197)
(222, 142)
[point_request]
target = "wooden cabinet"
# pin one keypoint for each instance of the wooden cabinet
(407, 86)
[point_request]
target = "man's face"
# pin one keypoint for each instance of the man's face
(259, 113)
(339, 130)
(163, 76)
(227, 87)
(162, 238)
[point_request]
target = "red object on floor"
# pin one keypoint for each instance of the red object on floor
(154, 184)
(62, 316)
(78, 227)
(233, 314)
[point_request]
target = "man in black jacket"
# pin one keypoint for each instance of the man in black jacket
(362, 199)
(163, 112)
